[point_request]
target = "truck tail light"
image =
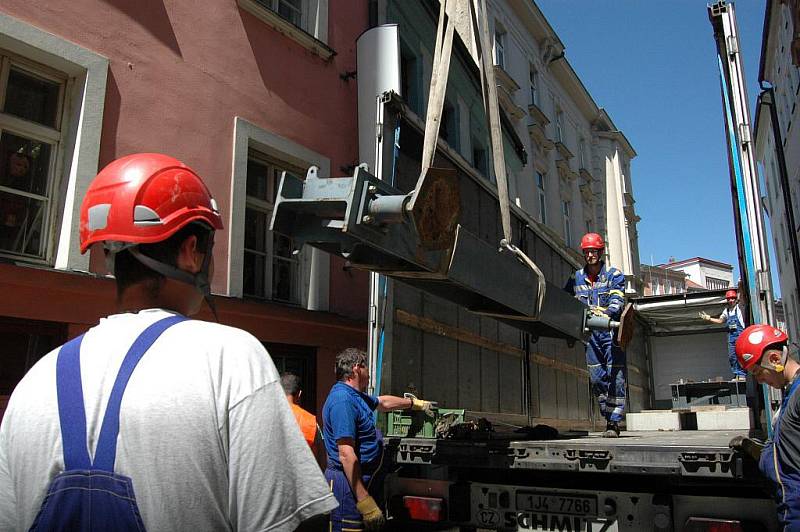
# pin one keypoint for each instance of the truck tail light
(424, 508)
(704, 524)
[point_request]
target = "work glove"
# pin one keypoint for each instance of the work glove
(748, 446)
(371, 515)
(419, 404)
(703, 315)
(597, 311)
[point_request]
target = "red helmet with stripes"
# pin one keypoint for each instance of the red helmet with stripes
(754, 340)
(142, 199)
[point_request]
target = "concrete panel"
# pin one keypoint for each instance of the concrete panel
(562, 400)
(470, 205)
(440, 370)
(535, 406)
(653, 420)
(547, 392)
(407, 298)
(440, 310)
(407, 360)
(469, 376)
(490, 401)
(730, 419)
(509, 335)
(510, 389)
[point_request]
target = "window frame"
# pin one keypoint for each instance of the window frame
(533, 79)
(559, 123)
(266, 207)
(566, 209)
(315, 280)
(52, 136)
(499, 47)
(312, 34)
(541, 178)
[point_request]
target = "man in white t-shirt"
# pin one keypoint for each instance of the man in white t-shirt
(205, 440)
(733, 317)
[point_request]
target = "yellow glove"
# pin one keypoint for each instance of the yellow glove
(370, 513)
(419, 404)
(597, 311)
(704, 315)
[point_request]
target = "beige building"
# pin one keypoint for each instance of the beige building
(706, 273)
(659, 281)
(779, 73)
(578, 176)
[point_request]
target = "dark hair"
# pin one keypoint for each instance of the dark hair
(128, 271)
(345, 360)
(290, 383)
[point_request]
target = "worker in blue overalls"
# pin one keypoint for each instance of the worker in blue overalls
(762, 350)
(733, 318)
(354, 445)
(602, 289)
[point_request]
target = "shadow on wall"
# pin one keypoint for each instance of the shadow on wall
(152, 16)
(111, 112)
(282, 74)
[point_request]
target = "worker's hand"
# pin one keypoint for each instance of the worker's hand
(597, 311)
(703, 315)
(370, 513)
(748, 446)
(419, 404)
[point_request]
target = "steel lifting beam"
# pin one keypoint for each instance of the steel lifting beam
(366, 221)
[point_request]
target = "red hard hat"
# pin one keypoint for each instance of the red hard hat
(144, 198)
(730, 294)
(592, 241)
(754, 340)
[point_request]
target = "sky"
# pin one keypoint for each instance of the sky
(653, 67)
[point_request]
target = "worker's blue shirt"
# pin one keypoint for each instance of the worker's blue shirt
(348, 414)
(607, 292)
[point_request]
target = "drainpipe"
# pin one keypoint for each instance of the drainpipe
(769, 101)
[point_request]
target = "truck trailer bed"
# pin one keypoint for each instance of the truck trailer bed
(683, 453)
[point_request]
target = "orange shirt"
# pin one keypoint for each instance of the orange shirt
(307, 422)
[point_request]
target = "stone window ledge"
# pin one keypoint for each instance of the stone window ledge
(281, 25)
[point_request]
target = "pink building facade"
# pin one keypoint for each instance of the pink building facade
(240, 91)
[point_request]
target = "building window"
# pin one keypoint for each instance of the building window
(480, 157)
(271, 267)
(542, 197)
(715, 283)
(499, 46)
(565, 210)
(30, 124)
(449, 125)
(410, 78)
(582, 153)
(305, 14)
(534, 88)
(559, 126)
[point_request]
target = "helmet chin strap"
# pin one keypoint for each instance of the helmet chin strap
(199, 280)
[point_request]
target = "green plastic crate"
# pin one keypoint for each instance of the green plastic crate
(417, 424)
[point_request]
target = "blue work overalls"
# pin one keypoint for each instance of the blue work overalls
(347, 518)
(735, 327)
(786, 476)
(89, 496)
(604, 359)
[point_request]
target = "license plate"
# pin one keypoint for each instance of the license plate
(535, 501)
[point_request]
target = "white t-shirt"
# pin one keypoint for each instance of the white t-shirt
(206, 433)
